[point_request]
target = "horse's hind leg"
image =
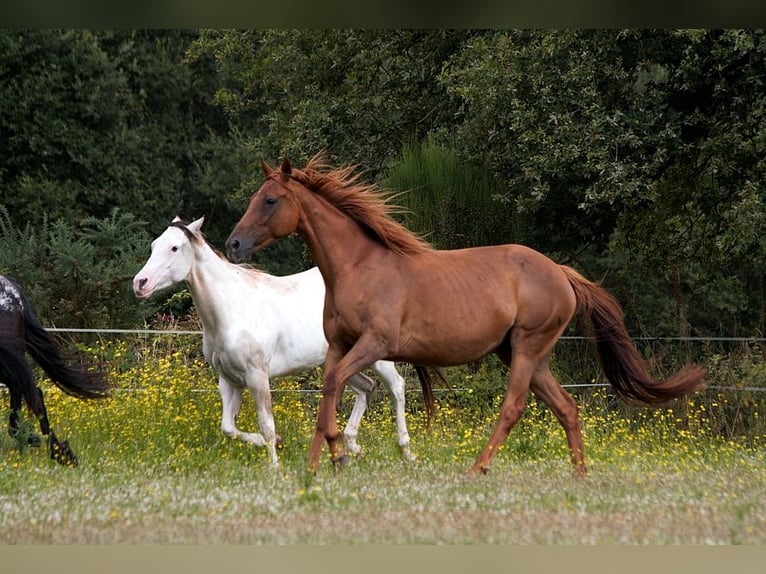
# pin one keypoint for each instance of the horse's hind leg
(387, 371)
(33, 439)
(521, 369)
(545, 386)
(16, 373)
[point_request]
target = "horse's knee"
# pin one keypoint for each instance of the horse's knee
(510, 415)
(571, 418)
(329, 386)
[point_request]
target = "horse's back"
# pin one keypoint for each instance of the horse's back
(517, 277)
(465, 302)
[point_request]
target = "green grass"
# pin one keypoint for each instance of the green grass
(154, 468)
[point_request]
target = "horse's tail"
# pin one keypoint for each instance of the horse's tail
(621, 362)
(424, 374)
(78, 381)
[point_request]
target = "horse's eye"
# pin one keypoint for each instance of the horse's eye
(174, 248)
(271, 200)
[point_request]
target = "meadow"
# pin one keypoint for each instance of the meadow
(155, 468)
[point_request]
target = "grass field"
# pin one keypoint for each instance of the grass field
(154, 468)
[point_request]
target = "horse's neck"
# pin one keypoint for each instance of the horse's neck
(214, 284)
(335, 241)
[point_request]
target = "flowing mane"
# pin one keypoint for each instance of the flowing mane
(365, 203)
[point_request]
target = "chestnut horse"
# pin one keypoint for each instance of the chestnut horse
(439, 307)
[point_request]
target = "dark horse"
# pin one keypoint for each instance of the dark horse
(439, 307)
(21, 332)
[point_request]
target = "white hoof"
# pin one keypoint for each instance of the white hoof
(351, 445)
(407, 453)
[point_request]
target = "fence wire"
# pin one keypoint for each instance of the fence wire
(595, 384)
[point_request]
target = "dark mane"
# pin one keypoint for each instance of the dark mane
(182, 225)
(365, 203)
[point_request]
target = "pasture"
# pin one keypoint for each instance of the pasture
(155, 468)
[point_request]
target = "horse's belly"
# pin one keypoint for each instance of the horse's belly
(295, 362)
(453, 339)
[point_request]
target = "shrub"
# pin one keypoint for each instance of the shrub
(77, 276)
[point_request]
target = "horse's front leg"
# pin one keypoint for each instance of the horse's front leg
(338, 369)
(362, 386)
(258, 383)
(231, 401)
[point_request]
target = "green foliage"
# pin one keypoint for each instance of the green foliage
(77, 275)
(451, 203)
(635, 155)
(644, 143)
(97, 120)
(359, 94)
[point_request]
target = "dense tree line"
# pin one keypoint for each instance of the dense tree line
(635, 155)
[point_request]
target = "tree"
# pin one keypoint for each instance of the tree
(647, 143)
(358, 94)
(93, 120)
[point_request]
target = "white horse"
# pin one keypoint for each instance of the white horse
(256, 327)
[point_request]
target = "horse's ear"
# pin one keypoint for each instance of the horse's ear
(176, 219)
(286, 168)
(194, 226)
(267, 169)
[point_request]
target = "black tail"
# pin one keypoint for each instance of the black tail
(77, 381)
(424, 374)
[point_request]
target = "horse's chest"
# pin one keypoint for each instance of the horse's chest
(231, 355)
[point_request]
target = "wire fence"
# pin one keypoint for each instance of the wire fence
(592, 384)
(563, 338)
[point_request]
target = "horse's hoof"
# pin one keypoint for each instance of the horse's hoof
(353, 447)
(61, 452)
(34, 440)
(278, 442)
(341, 461)
(475, 471)
(407, 454)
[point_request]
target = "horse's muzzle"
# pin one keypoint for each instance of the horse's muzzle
(237, 250)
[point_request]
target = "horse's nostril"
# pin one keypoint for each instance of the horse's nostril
(142, 282)
(234, 244)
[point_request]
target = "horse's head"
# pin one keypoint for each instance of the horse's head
(272, 213)
(171, 259)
